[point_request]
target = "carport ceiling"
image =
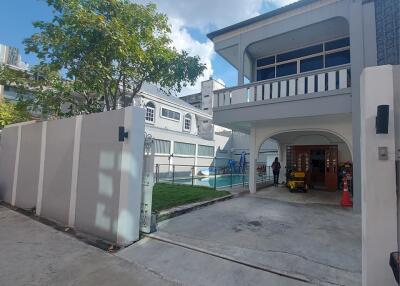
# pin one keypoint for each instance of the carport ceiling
(290, 137)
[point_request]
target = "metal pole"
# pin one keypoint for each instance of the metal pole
(192, 176)
(231, 177)
(215, 173)
(157, 173)
(173, 174)
(243, 171)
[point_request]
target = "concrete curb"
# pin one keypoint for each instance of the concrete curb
(177, 211)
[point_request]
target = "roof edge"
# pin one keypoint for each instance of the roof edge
(261, 17)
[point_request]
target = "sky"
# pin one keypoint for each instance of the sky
(190, 22)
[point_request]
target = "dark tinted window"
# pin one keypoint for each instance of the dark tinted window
(266, 61)
(299, 53)
(286, 69)
(336, 59)
(267, 73)
(171, 114)
(310, 64)
(345, 42)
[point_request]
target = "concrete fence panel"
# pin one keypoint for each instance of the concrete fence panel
(77, 172)
(9, 139)
(57, 170)
(28, 166)
(99, 174)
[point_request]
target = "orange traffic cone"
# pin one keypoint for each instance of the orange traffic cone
(346, 202)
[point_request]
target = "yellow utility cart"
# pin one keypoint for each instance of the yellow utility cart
(297, 182)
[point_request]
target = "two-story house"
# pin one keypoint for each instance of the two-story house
(303, 63)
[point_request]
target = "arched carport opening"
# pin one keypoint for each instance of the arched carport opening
(318, 153)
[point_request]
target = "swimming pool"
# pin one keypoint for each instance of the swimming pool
(223, 181)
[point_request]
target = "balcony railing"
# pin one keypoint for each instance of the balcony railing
(301, 84)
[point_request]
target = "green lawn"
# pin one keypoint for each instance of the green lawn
(166, 196)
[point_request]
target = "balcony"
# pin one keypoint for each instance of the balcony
(307, 83)
(321, 92)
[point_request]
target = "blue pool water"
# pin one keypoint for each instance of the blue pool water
(223, 181)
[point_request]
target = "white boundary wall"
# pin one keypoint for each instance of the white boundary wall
(379, 85)
(75, 172)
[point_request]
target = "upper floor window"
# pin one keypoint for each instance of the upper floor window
(150, 108)
(324, 55)
(170, 114)
(187, 122)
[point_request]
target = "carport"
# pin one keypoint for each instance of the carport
(321, 155)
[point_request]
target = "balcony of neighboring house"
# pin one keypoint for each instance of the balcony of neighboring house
(300, 73)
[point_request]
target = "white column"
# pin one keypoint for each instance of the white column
(75, 169)
(240, 67)
(16, 167)
(378, 178)
(253, 159)
(41, 169)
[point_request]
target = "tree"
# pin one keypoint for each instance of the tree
(46, 92)
(106, 50)
(12, 113)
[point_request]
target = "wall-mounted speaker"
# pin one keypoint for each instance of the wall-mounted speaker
(382, 119)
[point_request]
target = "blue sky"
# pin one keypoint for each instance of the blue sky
(190, 21)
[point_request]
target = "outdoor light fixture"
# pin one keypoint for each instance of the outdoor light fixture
(122, 134)
(382, 119)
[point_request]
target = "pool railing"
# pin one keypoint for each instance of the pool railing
(216, 177)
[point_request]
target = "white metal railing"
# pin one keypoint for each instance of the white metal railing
(301, 84)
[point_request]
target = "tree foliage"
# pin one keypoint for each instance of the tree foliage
(105, 50)
(12, 113)
(46, 92)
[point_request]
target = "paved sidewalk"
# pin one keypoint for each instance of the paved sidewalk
(32, 253)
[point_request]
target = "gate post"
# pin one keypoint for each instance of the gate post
(147, 220)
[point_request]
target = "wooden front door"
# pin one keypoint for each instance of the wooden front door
(302, 162)
(331, 168)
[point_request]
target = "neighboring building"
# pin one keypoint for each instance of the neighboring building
(183, 134)
(10, 56)
(204, 99)
(303, 63)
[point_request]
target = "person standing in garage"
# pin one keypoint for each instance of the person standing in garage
(276, 167)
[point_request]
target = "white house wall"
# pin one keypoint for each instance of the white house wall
(378, 176)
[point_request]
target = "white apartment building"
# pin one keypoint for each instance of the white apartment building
(10, 56)
(203, 99)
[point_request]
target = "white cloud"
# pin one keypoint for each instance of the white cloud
(205, 15)
(182, 40)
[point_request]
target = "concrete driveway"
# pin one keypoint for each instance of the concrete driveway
(269, 242)
(32, 253)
